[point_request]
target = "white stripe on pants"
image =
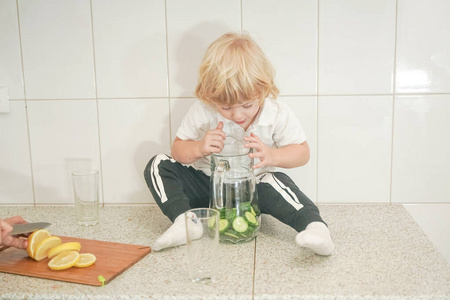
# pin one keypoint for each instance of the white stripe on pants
(282, 189)
(156, 179)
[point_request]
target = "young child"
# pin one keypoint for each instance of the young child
(237, 92)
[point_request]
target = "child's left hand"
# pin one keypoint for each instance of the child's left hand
(261, 151)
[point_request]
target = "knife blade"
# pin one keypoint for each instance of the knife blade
(28, 227)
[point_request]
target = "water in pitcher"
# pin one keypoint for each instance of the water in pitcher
(233, 193)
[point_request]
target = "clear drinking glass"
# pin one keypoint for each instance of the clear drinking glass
(202, 235)
(86, 196)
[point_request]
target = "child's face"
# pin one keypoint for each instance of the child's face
(243, 113)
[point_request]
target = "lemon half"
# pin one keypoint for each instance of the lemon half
(34, 239)
(44, 246)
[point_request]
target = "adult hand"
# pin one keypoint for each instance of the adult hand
(6, 228)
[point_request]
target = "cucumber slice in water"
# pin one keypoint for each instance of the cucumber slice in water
(230, 214)
(239, 224)
(231, 234)
(250, 218)
(224, 224)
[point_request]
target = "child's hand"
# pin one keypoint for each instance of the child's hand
(213, 140)
(260, 150)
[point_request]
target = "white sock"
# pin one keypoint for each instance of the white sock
(176, 234)
(316, 236)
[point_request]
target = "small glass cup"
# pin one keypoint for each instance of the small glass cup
(86, 196)
(202, 234)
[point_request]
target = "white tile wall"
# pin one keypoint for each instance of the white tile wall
(130, 48)
(10, 53)
(128, 145)
(191, 27)
(63, 138)
(421, 160)
(289, 38)
(104, 84)
(57, 49)
(423, 45)
(356, 46)
(306, 176)
(354, 146)
(15, 168)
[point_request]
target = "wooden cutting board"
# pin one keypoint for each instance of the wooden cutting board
(112, 260)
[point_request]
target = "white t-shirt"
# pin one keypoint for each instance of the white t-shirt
(276, 125)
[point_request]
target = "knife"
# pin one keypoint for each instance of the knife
(28, 227)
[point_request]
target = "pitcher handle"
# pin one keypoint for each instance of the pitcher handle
(219, 174)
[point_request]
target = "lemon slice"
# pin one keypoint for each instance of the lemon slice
(34, 239)
(43, 247)
(86, 260)
(64, 260)
(71, 246)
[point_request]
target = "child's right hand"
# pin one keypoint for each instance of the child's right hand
(213, 140)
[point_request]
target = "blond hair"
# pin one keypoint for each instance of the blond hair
(235, 69)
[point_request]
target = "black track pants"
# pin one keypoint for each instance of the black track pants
(177, 188)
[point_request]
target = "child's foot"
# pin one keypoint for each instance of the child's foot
(317, 237)
(176, 234)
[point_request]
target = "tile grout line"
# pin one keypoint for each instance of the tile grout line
(256, 238)
(281, 95)
(97, 106)
(394, 82)
(26, 106)
(317, 105)
(168, 75)
(242, 16)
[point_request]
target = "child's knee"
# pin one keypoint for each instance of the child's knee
(149, 168)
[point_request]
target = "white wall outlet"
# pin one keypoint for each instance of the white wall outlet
(4, 100)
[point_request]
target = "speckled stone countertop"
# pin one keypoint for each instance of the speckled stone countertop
(381, 253)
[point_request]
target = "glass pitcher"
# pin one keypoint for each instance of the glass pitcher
(233, 193)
